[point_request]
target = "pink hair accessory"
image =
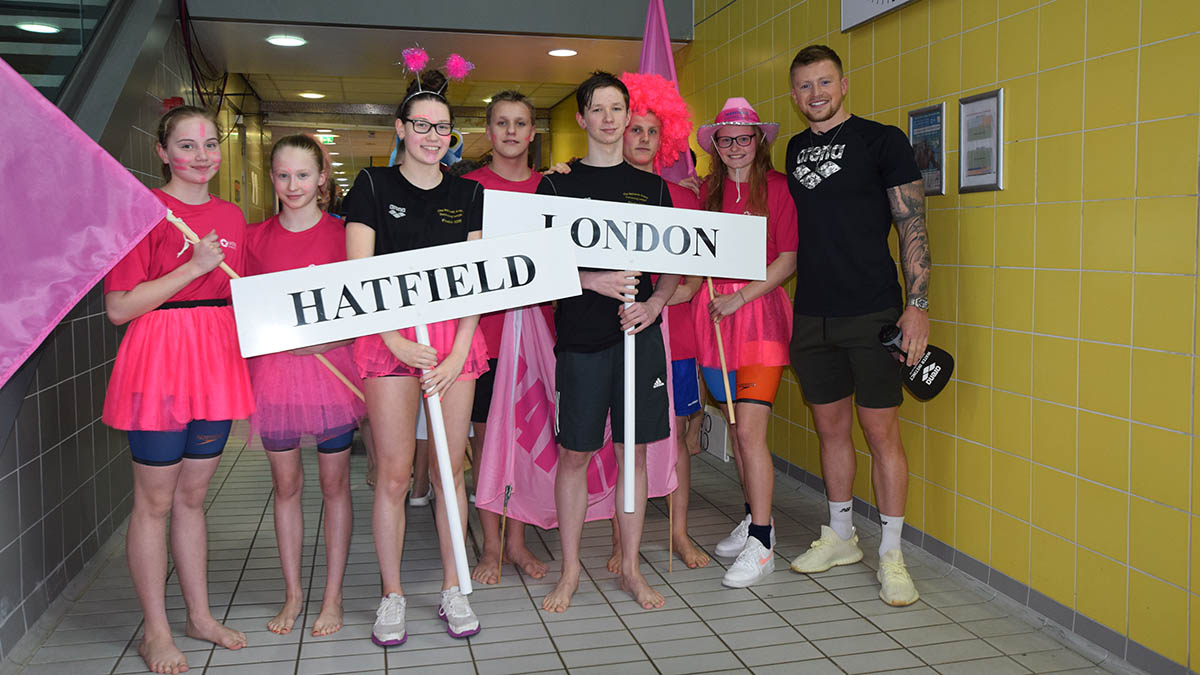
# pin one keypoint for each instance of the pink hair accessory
(457, 67)
(415, 59)
(649, 92)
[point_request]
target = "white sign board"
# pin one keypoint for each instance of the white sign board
(620, 236)
(325, 303)
(855, 12)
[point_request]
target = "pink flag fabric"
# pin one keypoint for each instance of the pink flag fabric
(520, 450)
(71, 212)
(658, 58)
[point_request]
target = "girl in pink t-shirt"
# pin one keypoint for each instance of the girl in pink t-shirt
(296, 395)
(178, 381)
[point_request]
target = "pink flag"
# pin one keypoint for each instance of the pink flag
(658, 58)
(71, 212)
(520, 451)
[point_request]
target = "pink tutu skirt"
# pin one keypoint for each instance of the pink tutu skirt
(298, 396)
(175, 366)
(374, 359)
(758, 333)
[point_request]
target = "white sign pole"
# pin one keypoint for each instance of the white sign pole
(437, 425)
(630, 455)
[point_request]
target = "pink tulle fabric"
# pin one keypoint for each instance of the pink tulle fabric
(457, 67)
(654, 93)
(297, 396)
(415, 59)
(374, 359)
(758, 333)
(175, 366)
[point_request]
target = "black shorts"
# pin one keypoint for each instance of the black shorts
(591, 386)
(483, 393)
(835, 357)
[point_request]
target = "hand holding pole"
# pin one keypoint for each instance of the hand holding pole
(721, 354)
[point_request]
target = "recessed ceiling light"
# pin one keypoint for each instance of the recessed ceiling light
(311, 94)
(336, 163)
(562, 52)
(339, 173)
(335, 153)
(487, 100)
(324, 131)
(37, 27)
(287, 41)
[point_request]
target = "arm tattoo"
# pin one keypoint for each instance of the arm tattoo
(908, 213)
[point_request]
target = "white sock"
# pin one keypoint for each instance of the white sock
(893, 526)
(841, 518)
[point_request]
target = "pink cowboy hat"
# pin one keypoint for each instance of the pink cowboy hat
(737, 112)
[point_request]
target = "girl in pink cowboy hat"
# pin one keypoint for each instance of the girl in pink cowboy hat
(755, 320)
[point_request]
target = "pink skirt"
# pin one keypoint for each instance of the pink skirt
(758, 333)
(374, 359)
(175, 366)
(298, 396)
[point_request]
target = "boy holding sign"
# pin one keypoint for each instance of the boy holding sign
(590, 349)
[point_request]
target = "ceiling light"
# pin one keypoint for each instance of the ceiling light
(562, 52)
(335, 153)
(339, 172)
(487, 100)
(324, 131)
(37, 27)
(311, 94)
(336, 163)
(287, 41)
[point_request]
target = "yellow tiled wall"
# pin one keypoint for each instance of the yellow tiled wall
(567, 139)
(1062, 455)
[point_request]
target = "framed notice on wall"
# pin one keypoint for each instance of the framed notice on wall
(856, 12)
(927, 133)
(981, 142)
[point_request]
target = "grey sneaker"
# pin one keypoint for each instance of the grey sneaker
(456, 611)
(389, 628)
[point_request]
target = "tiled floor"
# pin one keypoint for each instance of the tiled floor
(794, 624)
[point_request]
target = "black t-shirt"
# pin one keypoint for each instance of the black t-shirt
(588, 322)
(406, 217)
(839, 181)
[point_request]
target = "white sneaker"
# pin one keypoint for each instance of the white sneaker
(421, 501)
(895, 585)
(456, 611)
(753, 564)
(389, 622)
(828, 551)
(736, 541)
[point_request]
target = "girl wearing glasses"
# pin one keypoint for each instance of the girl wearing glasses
(755, 320)
(405, 208)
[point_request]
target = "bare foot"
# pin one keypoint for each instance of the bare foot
(216, 633)
(691, 555)
(286, 618)
(559, 599)
(520, 555)
(162, 656)
(329, 621)
(488, 569)
(614, 560)
(636, 585)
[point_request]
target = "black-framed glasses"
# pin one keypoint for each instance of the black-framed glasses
(727, 141)
(423, 127)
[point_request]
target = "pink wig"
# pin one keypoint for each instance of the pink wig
(654, 93)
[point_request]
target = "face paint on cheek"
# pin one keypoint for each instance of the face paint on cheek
(179, 166)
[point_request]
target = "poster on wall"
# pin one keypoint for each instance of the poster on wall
(981, 142)
(857, 12)
(927, 133)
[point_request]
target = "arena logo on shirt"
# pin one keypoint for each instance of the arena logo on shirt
(396, 211)
(326, 303)
(225, 243)
(624, 236)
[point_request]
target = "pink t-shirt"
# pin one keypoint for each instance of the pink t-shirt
(683, 336)
(272, 248)
(783, 236)
(156, 254)
(491, 325)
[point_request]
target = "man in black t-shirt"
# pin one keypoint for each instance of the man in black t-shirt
(590, 348)
(851, 180)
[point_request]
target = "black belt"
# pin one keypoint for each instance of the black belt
(194, 303)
